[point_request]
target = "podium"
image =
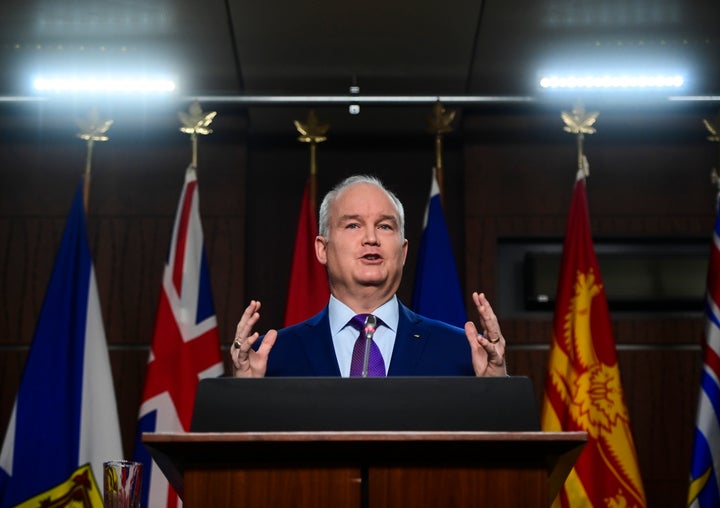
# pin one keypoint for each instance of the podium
(373, 469)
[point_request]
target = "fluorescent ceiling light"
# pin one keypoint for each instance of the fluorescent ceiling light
(612, 82)
(114, 85)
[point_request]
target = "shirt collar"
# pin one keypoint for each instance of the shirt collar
(340, 314)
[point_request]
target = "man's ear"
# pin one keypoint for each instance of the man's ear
(321, 249)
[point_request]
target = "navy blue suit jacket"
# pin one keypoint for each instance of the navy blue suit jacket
(423, 347)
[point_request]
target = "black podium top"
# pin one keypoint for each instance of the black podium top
(275, 404)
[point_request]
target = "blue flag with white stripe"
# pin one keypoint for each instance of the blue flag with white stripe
(437, 288)
(65, 414)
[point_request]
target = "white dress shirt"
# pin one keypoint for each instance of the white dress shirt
(344, 334)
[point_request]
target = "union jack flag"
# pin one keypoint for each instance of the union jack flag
(185, 345)
(704, 487)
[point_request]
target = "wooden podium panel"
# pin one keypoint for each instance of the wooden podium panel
(366, 469)
(273, 487)
(458, 486)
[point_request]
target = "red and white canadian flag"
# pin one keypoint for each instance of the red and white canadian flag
(185, 346)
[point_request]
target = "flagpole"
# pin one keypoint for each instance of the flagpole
(438, 124)
(308, 290)
(195, 121)
(580, 122)
(313, 174)
(186, 330)
(92, 129)
(312, 132)
(86, 175)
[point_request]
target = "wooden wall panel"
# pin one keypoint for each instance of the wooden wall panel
(26, 268)
(661, 389)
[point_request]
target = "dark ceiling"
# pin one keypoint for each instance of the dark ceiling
(264, 53)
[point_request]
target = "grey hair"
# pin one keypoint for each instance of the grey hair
(330, 197)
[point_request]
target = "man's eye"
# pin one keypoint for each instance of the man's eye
(387, 227)
(352, 226)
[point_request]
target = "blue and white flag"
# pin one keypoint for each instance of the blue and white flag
(65, 414)
(437, 288)
(704, 488)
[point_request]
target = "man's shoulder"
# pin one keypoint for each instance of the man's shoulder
(418, 320)
(304, 326)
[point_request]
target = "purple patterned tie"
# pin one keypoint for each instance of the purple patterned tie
(376, 365)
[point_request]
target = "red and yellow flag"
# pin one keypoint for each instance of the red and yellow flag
(583, 390)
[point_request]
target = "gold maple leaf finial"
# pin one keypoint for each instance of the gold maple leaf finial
(195, 121)
(578, 121)
(440, 119)
(714, 137)
(93, 128)
(312, 131)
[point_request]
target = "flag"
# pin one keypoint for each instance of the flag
(704, 488)
(437, 288)
(185, 344)
(308, 290)
(80, 489)
(583, 391)
(65, 414)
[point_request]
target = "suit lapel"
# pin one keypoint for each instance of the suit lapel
(410, 342)
(317, 342)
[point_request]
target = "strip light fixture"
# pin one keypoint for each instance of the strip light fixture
(109, 84)
(611, 82)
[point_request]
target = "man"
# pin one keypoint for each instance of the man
(362, 244)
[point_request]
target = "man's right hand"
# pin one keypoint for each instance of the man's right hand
(246, 361)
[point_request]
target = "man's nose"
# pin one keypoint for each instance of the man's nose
(370, 236)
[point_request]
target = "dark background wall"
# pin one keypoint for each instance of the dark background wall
(509, 177)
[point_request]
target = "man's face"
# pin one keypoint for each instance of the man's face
(364, 251)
